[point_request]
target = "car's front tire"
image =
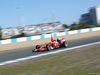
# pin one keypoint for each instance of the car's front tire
(48, 47)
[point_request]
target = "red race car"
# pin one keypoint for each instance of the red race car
(54, 44)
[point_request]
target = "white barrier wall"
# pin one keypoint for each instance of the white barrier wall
(22, 39)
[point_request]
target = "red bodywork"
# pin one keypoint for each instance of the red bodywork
(53, 44)
(42, 47)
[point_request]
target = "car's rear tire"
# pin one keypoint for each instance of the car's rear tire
(65, 44)
(48, 47)
(59, 41)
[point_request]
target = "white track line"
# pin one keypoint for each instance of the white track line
(30, 57)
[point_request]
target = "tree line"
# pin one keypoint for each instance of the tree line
(76, 26)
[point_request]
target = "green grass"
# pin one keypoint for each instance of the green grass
(74, 62)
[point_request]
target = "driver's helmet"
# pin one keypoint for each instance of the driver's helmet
(53, 40)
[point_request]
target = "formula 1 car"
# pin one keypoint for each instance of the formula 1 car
(54, 44)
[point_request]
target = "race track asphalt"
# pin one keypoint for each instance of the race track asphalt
(24, 52)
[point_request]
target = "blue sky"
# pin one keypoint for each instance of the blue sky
(15, 13)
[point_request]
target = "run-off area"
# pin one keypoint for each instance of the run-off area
(80, 61)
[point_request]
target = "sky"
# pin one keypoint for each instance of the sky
(15, 13)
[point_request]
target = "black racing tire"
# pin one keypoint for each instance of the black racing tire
(60, 42)
(65, 44)
(37, 46)
(48, 47)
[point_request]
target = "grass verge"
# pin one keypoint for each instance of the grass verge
(74, 62)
